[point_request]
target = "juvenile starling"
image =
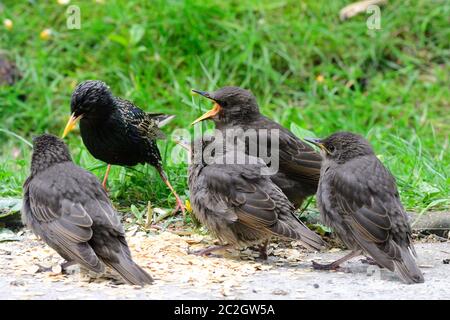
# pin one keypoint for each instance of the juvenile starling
(299, 165)
(239, 205)
(117, 132)
(9, 73)
(358, 198)
(68, 208)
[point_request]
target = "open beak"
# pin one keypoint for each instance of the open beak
(71, 124)
(317, 142)
(211, 113)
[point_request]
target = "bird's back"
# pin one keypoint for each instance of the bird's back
(359, 199)
(299, 164)
(235, 200)
(68, 208)
(127, 137)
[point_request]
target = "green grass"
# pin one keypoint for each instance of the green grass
(391, 85)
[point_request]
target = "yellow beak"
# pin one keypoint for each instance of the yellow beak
(71, 124)
(211, 113)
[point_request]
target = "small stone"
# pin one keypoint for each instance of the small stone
(280, 293)
(316, 286)
(17, 283)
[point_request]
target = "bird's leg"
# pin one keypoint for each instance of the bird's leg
(263, 250)
(66, 264)
(105, 179)
(204, 252)
(63, 266)
(335, 265)
(370, 261)
(180, 205)
(43, 269)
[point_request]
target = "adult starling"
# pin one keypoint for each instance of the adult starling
(117, 132)
(239, 205)
(299, 165)
(358, 198)
(68, 208)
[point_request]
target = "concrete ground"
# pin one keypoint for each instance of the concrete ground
(286, 275)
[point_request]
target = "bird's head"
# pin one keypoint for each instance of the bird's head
(343, 146)
(231, 105)
(90, 99)
(48, 150)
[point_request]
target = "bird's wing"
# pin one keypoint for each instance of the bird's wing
(65, 225)
(146, 124)
(257, 202)
(69, 214)
(237, 186)
(299, 158)
(366, 196)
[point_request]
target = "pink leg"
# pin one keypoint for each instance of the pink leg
(180, 205)
(105, 179)
(335, 265)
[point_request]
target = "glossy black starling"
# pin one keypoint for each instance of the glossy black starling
(68, 208)
(115, 131)
(299, 165)
(238, 204)
(358, 198)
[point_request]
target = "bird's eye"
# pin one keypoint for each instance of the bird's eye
(223, 104)
(331, 148)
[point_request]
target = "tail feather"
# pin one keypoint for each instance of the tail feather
(393, 257)
(300, 232)
(407, 267)
(131, 272)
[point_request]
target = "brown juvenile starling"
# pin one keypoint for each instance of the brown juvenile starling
(67, 207)
(9, 73)
(358, 198)
(117, 132)
(299, 165)
(240, 206)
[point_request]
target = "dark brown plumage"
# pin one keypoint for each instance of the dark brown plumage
(299, 164)
(67, 207)
(240, 206)
(116, 131)
(358, 198)
(9, 73)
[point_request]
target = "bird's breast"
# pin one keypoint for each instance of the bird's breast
(110, 142)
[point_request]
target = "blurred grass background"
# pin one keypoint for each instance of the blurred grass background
(306, 67)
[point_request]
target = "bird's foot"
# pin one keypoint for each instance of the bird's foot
(64, 266)
(180, 207)
(330, 266)
(370, 261)
(263, 251)
(43, 269)
(207, 251)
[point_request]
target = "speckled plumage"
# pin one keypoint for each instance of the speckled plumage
(242, 207)
(67, 207)
(299, 164)
(358, 198)
(114, 130)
